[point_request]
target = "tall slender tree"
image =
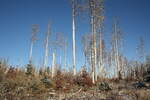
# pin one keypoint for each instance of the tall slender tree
(116, 48)
(73, 35)
(46, 47)
(35, 29)
(140, 50)
(95, 19)
(65, 53)
(140, 57)
(53, 65)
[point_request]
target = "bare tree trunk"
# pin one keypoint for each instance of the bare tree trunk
(46, 48)
(73, 37)
(53, 65)
(116, 43)
(96, 18)
(60, 61)
(93, 50)
(101, 53)
(92, 64)
(33, 39)
(95, 56)
(65, 65)
(30, 56)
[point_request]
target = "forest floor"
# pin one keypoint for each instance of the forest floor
(18, 84)
(121, 90)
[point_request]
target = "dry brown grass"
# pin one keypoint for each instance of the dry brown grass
(16, 83)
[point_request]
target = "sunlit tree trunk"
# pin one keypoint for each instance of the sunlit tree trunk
(33, 39)
(46, 48)
(101, 51)
(73, 37)
(96, 14)
(65, 51)
(30, 56)
(116, 48)
(53, 64)
(93, 30)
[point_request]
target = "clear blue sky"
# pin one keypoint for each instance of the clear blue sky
(17, 16)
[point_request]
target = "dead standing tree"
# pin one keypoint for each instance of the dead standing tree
(140, 57)
(93, 31)
(53, 64)
(116, 44)
(35, 29)
(101, 59)
(46, 48)
(60, 43)
(96, 9)
(87, 49)
(65, 53)
(30, 68)
(140, 50)
(58, 46)
(84, 42)
(99, 19)
(74, 10)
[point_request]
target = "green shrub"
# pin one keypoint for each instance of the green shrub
(47, 82)
(30, 69)
(103, 86)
